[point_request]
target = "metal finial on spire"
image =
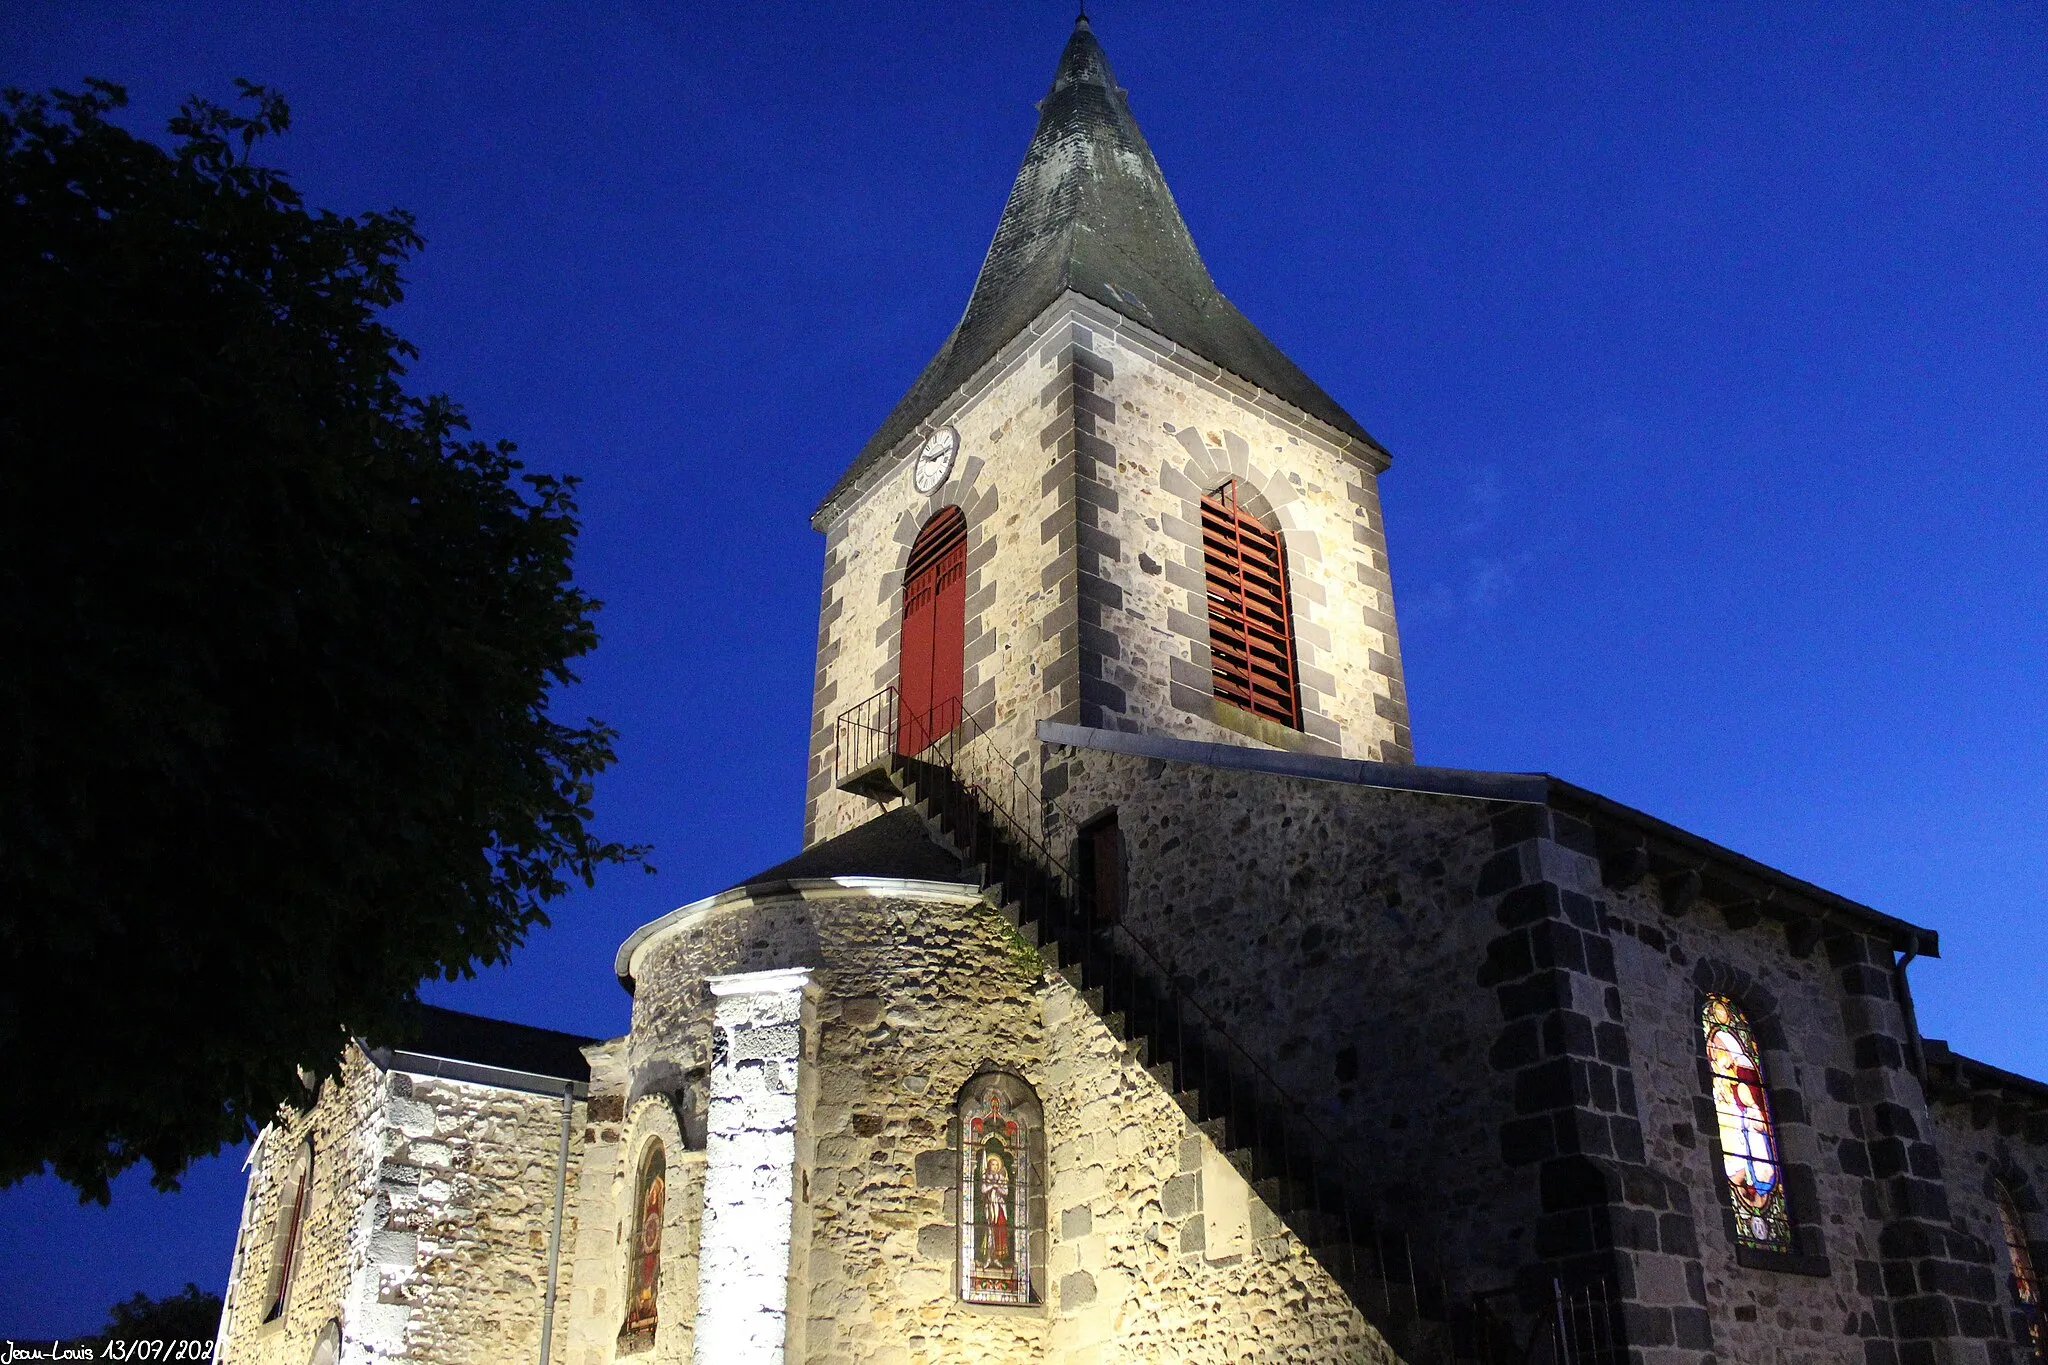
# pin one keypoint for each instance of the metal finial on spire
(1081, 19)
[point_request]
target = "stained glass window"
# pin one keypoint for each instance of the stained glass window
(643, 1272)
(292, 1198)
(1749, 1141)
(999, 1202)
(2025, 1287)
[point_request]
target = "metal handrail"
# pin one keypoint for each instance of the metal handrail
(876, 729)
(1582, 1329)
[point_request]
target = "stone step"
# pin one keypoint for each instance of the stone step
(1030, 898)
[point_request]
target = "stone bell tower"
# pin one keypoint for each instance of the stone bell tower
(1162, 524)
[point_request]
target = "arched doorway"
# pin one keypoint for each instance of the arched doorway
(934, 632)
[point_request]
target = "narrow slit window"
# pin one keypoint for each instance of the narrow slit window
(2026, 1287)
(1751, 1170)
(1251, 620)
(292, 1198)
(1001, 1205)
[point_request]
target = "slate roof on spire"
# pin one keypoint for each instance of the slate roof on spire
(1091, 212)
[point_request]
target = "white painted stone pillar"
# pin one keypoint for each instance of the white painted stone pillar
(754, 1249)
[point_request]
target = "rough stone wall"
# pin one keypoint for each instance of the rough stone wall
(344, 1125)
(614, 1143)
(593, 1260)
(1000, 483)
(1820, 1303)
(918, 995)
(1154, 428)
(1983, 1142)
(1335, 930)
(1085, 447)
(471, 1176)
(753, 1251)
(1432, 977)
(1883, 1270)
(427, 1234)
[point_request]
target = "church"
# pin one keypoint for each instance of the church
(1135, 996)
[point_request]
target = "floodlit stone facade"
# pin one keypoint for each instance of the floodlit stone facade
(426, 1232)
(1120, 1024)
(1084, 453)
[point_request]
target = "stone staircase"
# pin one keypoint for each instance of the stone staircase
(1297, 1170)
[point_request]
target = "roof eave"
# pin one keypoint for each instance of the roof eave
(1990, 1091)
(1634, 844)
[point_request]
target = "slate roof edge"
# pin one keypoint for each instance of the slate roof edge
(475, 1073)
(1521, 788)
(802, 888)
(872, 463)
(1903, 935)
(1972, 1075)
(435, 1053)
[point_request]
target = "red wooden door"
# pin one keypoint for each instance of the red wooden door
(934, 632)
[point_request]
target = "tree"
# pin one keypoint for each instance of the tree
(192, 1314)
(275, 738)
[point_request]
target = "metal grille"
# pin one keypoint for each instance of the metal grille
(1251, 624)
(1582, 1328)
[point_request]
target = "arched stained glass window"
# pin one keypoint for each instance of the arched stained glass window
(1001, 1204)
(1750, 1165)
(2025, 1287)
(290, 1232)
(643, 1271)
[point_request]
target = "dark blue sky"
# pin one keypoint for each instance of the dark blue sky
(1708, 339)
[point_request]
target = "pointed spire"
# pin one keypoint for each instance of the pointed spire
(1090, 211)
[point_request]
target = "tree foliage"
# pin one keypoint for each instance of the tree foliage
(192, 1314)
(275, 739)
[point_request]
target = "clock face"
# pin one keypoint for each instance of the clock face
(935, 461)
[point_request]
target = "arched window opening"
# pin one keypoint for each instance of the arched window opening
(643, 1270)
(1251, 621)
(327, 1348)
(2026, 1288)
(1750, 1165)
(286, 1242)
(1002, 1204)
(932, 663)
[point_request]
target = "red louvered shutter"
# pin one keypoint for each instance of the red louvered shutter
(1251, 622)
(934, 633)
